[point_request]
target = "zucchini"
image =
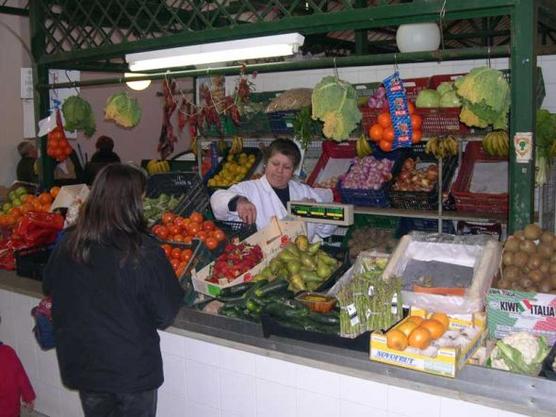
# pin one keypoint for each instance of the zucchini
(325, 318)
(283, 311)
(272, 287)
(236, 290)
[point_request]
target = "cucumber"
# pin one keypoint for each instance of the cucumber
(236, 290)
(284, 311)
(325, 318)
(272, 287)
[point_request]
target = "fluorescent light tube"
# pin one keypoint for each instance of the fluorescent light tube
(243, 49)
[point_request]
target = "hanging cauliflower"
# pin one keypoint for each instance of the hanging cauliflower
(123, 109)
(78, 115)
(520, 352)
(485, 94)
(335, 103)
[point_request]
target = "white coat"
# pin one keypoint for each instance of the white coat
(260, 193)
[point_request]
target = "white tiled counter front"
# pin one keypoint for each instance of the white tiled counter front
(210, 377)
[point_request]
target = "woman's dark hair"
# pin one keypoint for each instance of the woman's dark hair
(286, 147)
(105, 143)
(113, 213)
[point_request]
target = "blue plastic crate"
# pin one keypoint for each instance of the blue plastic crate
(408, 225)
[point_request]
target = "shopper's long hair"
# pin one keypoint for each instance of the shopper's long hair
(112, 215)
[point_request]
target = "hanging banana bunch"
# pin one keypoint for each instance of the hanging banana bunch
(497, 143)
(362, 147)
(237, 145)
(442, 147)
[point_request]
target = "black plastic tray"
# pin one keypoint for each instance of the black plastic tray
(249, 151)
(340, 254)
(30, 263)
(271, 326)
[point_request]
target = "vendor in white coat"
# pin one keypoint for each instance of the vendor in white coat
(257, 201)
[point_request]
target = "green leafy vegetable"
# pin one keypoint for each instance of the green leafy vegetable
(305, 128)
(123, 109)
(78, 115)
(335, 103)
(520, 352)
(485, 94)
(428, 98)
(545, 144)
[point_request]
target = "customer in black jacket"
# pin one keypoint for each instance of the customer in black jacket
(104, 155)
(112, 288)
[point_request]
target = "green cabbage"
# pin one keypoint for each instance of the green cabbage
(78, 115)
(450, 99)
(335, 103)
(123, 110)
(445, 87)
(485, 93)
(428, 98)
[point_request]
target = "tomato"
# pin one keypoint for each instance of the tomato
(179, 221)
(385, 146)
(187, 239)
(417, 135)
(175, 263)
(167, 249)
(178, 238)
(194, 228)
(375, 132)
(211, 243)
(186, 255)
(182, 266)
(219, 235)
(162, 232)
(176, 253)
(173, 229)
(411, 107)
(196, 217)
(388, 134)
(168, 217)
(208, 225)
(384, 120)
(56, 135)
(416, 121)
(202, 235)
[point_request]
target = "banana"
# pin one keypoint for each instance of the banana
(155, 167)
(362, 147)
(497, 143)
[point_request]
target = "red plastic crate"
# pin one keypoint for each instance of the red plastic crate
(332, 150)
(476, 202)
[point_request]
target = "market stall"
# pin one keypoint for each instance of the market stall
(431, 316)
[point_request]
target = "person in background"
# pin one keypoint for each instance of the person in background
(15, 387)
(26, 165)
(257, 201)
(104, 155)
(112, 287)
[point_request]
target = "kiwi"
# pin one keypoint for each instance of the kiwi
(531, 288)
(512, 244)
(520, 259)
(526, 282)
(545, 250)
(511, 273)
(534, 261)
(553, 280)
(545, 267)
(507, 258)
(547, 237)
(545, 286)
(520, 234)
(527, 246)
(536, 276)
(532, 231)
(554, 244)
(503, 284)
(516, 285)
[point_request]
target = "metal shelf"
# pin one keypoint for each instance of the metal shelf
(432, 214)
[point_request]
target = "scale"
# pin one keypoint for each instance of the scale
(329, 213)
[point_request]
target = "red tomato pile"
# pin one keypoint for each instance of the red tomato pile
(236, 260)
(382, 132)
(58, 146)
(179, 258)
(183, 229)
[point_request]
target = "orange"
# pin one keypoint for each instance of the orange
(442, 318)
(435, 328)
(420, 338)
(416, 319)
(396, 340)
(388, 134)
(416, 121)
(385, 146)
(375, 132)
(417, 135)
(54, 191)
(45, 198)
(411, 107)
(384, 120)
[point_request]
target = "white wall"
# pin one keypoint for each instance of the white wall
(12, 58)
(208, 380)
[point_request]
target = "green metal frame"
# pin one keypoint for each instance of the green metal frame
(77, 36)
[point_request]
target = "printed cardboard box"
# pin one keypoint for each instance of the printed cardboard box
(447, 361)
(510, 311)
(271, 239)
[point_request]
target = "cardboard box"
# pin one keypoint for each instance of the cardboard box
(510, 311)
(448, 360)
(69, 195)
(272, 239)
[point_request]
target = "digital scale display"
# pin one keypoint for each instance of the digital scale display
(340, 214)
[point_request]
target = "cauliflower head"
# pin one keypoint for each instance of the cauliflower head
(520, 352)
(123, 110)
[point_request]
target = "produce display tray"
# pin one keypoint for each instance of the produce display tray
(271, 327)
(232, 230)
(30, 263)
(249, 151)
(340, 254)
(477, 202)
(423, 200)
(374, 198)
(332, 150)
